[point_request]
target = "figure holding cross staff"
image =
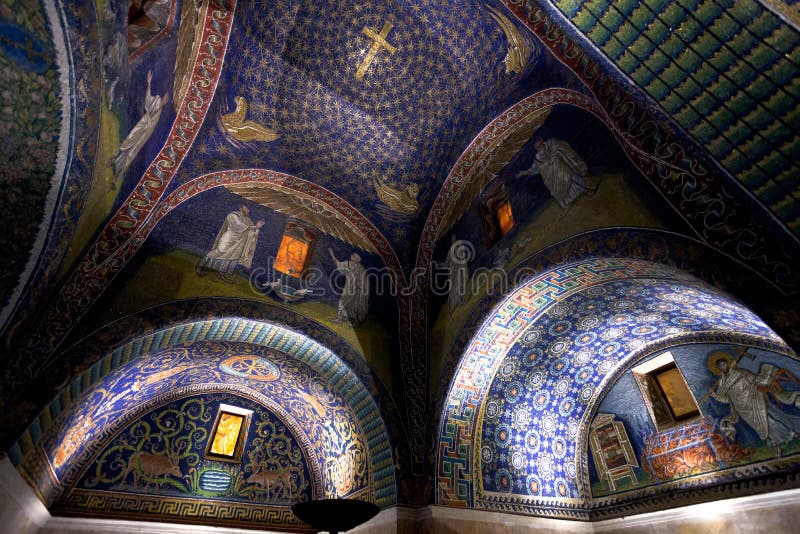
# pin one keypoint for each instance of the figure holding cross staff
(758, 400)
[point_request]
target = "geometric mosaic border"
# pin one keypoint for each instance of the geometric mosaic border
(308, 351)
(195, 510)
(488, 347)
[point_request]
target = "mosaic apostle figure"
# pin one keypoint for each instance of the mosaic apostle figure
(758, 400)
(457, 266)
(235, 245)
(562, 169)
(354, 301)
(141, 132)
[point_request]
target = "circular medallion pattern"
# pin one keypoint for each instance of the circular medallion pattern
(532, 441)
(530, 337)
(518, 460)
(562, 386)
(513, 391)
(252, 367)
(559, 366)
(521, 417)
(566, 406)
(541, 399)
(533, 356)
(508, 369)
(503, 436)
(558, 347)
(536, 379)
(502, 480)
(583, 374)
(559, 447)
(533, 485)
(560, 328)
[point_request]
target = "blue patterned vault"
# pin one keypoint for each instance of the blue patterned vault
(542, 361)
(125, 405)
(503, 209)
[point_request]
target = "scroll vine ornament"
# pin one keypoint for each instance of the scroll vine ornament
(155, 453)
(165, 452)
(347, 470)
(274, 466)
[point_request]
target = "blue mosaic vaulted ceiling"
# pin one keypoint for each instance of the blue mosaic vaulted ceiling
(516, 411)
(404, 122)
(383, 129)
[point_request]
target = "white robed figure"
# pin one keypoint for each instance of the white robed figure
(141, 132)
(354, 301)
(562, 169)
(458, 257)
(747, 395)
(235, 244)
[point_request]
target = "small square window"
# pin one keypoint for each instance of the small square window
(294, 251)
(496, 216)
(666, 393)
(505, 217)
(230, 430)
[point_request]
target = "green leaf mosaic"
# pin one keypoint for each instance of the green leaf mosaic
(726, 71)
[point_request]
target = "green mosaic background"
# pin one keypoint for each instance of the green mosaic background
(727, 71)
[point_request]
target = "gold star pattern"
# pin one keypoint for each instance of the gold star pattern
(405, 122)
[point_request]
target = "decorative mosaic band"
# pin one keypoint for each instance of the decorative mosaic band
(460, 433)
(98, 267)
(322, 360)
(126, 506)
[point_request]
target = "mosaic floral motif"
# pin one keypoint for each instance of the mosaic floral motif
(504, 332)
(163, 453)
(339, 450)
(565, 384)
(29, 126)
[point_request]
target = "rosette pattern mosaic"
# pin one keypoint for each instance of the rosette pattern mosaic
(545, 356)
(536, 401)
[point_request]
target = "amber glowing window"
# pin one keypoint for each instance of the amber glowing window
(505, 217)
(666, 393)
(495, 210)
(294, 251)
(230, 430)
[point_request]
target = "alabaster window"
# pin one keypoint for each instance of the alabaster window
(496, 216)
(294, 250)
(666, 393)
(505, 218)
(230, 430)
